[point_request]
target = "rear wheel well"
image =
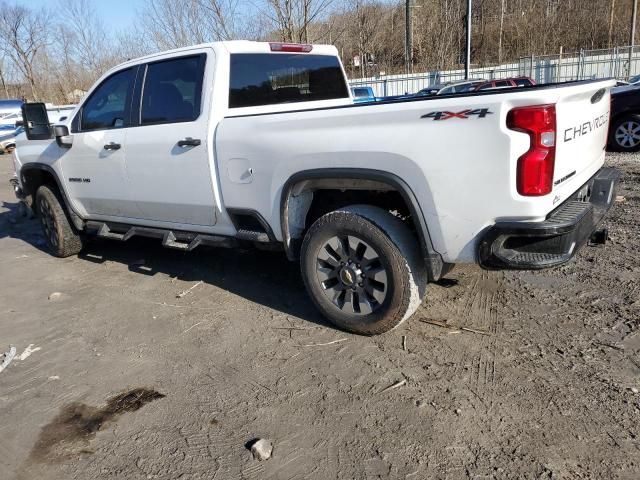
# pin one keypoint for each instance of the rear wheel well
(308, 195)
(311, 199)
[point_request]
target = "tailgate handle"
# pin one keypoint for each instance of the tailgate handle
(189, 142)
(598, 95)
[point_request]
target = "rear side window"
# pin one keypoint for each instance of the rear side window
(273, 78)
(523, 82)
(360, 92)
(107, 105)
(172, 90)
(503, 83)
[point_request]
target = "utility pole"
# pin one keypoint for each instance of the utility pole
(408, 47)
(632, 40)
(467, 59)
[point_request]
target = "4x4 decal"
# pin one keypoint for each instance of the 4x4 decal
(479, 112)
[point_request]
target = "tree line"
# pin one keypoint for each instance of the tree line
(56, 54)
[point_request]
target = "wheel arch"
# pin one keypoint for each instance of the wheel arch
(304, 181)
(33, 175)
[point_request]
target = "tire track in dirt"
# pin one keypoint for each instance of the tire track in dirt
(477, 309)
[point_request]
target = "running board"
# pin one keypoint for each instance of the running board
(185, 241)
(261, 237)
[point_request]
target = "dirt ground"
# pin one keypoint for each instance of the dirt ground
(529, 374)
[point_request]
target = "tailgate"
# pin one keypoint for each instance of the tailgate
(582, 118)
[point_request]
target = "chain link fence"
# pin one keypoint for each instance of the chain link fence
(618, 62)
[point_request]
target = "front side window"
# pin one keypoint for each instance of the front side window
(275, 78)
(172, 90)
(523, 82)
(107, 105)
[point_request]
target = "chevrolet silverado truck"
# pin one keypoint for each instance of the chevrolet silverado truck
(239, 142)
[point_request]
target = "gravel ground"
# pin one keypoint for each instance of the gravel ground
(123, 375)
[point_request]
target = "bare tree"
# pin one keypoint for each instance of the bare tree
(292, 19)
(89, 42)
(2, 77)
(24, 34)
(195, 21)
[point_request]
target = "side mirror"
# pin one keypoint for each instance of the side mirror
(36, 121)
(19, 124)
(63, 139)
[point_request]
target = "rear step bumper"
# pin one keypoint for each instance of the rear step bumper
(554, 241)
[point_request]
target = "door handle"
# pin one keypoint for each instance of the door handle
(112, 146)
(189, 142)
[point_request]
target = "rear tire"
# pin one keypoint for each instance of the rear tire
(62, 238)
(625, 134)
(363, 269)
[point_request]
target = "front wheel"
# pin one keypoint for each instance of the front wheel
(62, 238)
(363, 270)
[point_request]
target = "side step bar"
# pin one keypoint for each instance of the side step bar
(185, 241)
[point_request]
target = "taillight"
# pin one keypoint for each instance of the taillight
(535, 168)
(290, 47)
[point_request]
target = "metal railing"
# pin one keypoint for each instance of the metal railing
(618, 62)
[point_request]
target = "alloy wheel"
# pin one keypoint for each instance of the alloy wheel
(351, 274)
(628, 134)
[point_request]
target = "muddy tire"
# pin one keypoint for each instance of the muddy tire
(62, 238)
(624, 134)
(363, 269)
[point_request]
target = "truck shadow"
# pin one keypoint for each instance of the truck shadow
(263, 277)
(15, 225)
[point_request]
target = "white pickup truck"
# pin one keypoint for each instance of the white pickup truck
(242, 142)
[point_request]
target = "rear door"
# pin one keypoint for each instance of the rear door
(167, 153)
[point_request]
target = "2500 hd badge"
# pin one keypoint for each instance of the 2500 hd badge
(586, 127)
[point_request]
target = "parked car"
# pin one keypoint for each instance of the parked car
(59, 113)
(220, 145)
(504, 83)
(10, 119)
(362, 94)
(8, 138)
(432, 90)
(460, 87)
(624, 127)
(634, 80)
(9, 106)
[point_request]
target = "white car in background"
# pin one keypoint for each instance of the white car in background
(8, 138)
(59, 113)
(10, 119)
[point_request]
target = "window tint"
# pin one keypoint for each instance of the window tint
(360, 92)
(172, 90)
(107, 105)
(272, 78)
(503, 83)
(523, 82)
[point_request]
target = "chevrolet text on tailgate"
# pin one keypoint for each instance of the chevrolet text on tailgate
(237, 143)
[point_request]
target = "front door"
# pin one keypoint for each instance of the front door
(94, 167)
(168, 152)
